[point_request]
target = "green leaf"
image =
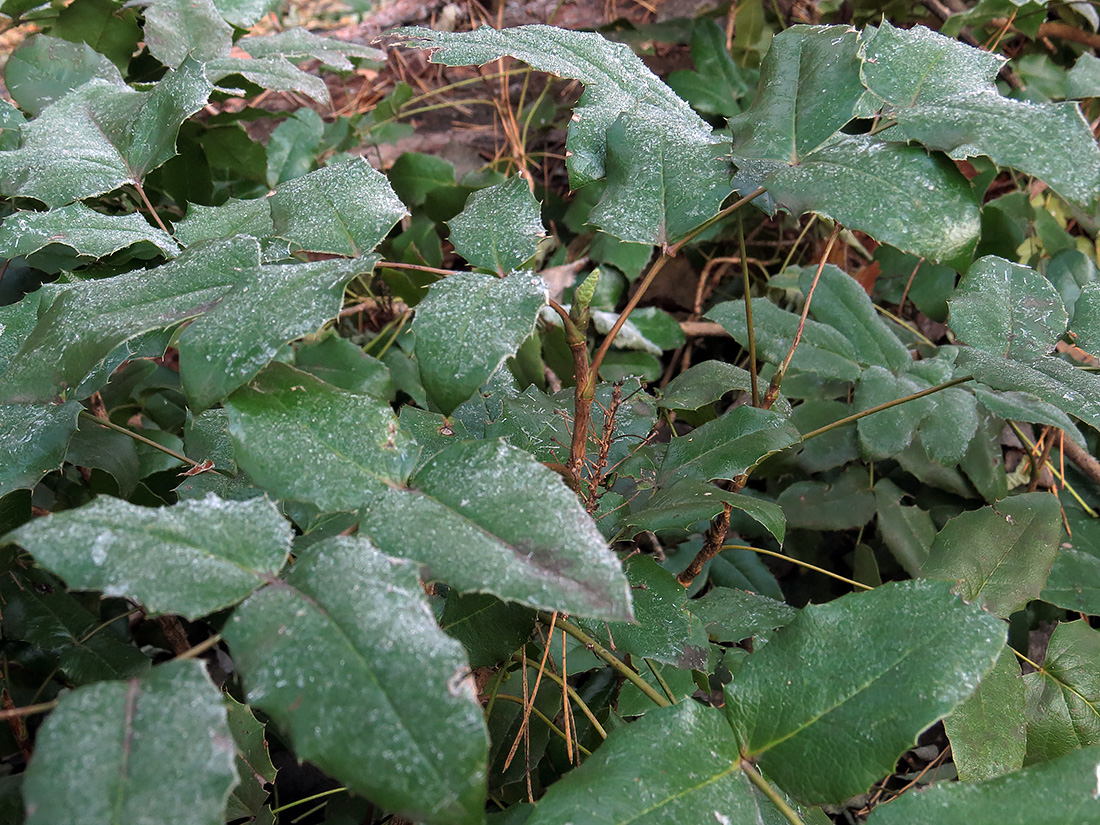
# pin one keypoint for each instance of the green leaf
(1000, 555)
(662, 629)
(490, 630)
(524, 536)
(244, 13)
(943, 95)
(35, 440)
(1083, 80)
(294, 146)
(467, 325)
(685, 783)
(414, 175)
(1023, 406)
(731, 615)
(1062, 792)
(191, 559)
(266, 309)
(339, 362)
(846, 504)
(234, 217)
(396, 717)
(887, 433)
(656, 153)
(275, 73)
(899, 194)
(1074, 580)
(120, 739)
(822, 349)
(83, 230)
(499, 228)
(728, 446)
(947, 432)
(88, 320)
(1085, 328)
(809, 87)
(102, 136)
(908, 531)
(911, 651)
(300, 44)
(1007, 309)
(257, 774)
(688, 502)
(44, 69)
(175, 29)
(303, 439)
(840, 302)
(344, 209)
(704, 384)
(38, 610)
(718, 83)
(987, 730)
(1063, 699)
(105, 25)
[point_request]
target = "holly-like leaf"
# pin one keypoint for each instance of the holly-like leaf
(175, 29)
(35, 440)
(728, 446)
(102, 136)
(911, 651)
(688, 502)
(275, 73)
(122, 739)
(266, 309)
(1000, 555)
(656, 153)
(306, 440)
(731, 615)
(396, 719)
(943, 94)
(845, 504)
(1086, 318)
(191, 559)
(89, 319)
(1007, 309)
(885, 434)
(523, 535)
(704, 384)
(1063, 699)
(300, 44)
(1061, 792)
(44, 69)
(467, 325)
(234, 217)
(908, 531)
(987, 730)
(257, 774)
(685, 783)
(83, 230)
(899, 194)
(499, 228)
(344, 209)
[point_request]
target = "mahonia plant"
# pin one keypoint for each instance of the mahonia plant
(484, 549)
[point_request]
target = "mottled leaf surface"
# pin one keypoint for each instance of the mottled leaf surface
(396, 717)
(83, 230)
(486, 517)
(499, 228)
(192, 558)
(300, 44)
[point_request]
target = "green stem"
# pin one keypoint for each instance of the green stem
(661, 681)
(897, 401)
(298, 802)
(610, 658)
(110, 425)
(765, 787)
(747, 289)
(587, 711)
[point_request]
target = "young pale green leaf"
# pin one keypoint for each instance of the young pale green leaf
(662, 630)
(101, 136)
(467, 325)
(1063, 699)
(704, 384)
(34, 442)
(249, 799)
(943, 94)
(499, 228)
(809, 88)
(1000, 555)
(521, 533)
(102, 756)
(1072, 390)
(841, 302)
(676, 764)
(899, 194)
(892, 660)
(728, 446)
(88, 320)
(887, 433)
(44, 69)
(1007, 309)
(1061, 792)
(626, 124)
(300, 44)
(38, 610)
(987, 730)
(191, 559)
(345, 209)
(306, 440)
(687, 502)
(83, 230)
(275, 73)
(266, 309)
(396, 716)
